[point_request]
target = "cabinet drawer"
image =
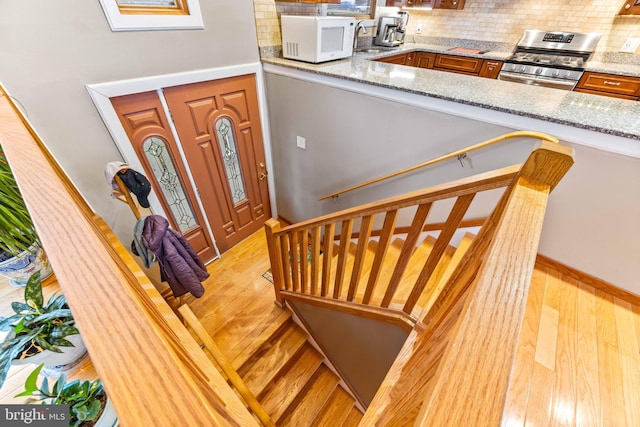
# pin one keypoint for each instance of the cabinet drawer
(613, 95)
(462, 64)
(629, 86)
(396, 59)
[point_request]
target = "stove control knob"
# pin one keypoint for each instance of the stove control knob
(511, 67)
(522, 69)
(556, 73)
(538, 71)
(567, 74)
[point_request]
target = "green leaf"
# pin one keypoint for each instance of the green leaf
(6, 323)
(19, 327)
(33, 290)
(60, 342)
(46, 345)
(59, 385)
(64, 331)
(31, 385)
(62, 313)
(21, 308)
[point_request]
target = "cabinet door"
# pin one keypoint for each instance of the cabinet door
(630, 7)
(410, 61)
(424, 60)
(460, 64)
(397, 3)
(449, 4)
(396, 59)
(612, 95)
(610, 84)
(490, 69)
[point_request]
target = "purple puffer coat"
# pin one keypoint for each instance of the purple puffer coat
(179, 263)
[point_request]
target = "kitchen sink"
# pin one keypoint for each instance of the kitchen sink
(378, 49)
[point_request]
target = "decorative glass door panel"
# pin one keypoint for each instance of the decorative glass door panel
(166, 176)
(227, 141)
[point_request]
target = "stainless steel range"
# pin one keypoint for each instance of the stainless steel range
(549, 58)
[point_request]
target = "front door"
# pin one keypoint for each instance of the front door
(147, 127)
(219, 127)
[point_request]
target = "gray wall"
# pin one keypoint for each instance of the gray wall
(49, 51)
(593, 218)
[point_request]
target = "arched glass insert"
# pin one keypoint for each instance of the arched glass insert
(227, 141)
(164, 170)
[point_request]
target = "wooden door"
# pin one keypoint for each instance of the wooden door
(146, 125)
(219, 127)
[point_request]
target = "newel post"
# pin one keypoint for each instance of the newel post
(271, 227)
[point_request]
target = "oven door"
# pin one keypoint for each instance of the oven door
(537, 80)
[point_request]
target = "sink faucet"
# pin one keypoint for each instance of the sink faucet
(359, 26)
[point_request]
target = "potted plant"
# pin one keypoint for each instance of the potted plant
(20, 251)
(87, 400)
(38, 332)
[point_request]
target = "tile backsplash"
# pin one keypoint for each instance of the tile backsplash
(500, 21)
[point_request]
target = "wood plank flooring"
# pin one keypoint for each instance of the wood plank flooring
(578, 361)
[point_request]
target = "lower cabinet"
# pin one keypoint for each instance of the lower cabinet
(609, 85)
(488, 68)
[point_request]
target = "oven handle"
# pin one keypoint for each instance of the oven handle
(536, 81)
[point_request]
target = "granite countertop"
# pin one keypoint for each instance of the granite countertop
(592, 112)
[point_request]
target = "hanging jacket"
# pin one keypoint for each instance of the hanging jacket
(111, 169)
(180, 266)
(138, 184)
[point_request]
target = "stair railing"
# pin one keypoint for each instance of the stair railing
(307, 264)
(153, 370)
(455, 154)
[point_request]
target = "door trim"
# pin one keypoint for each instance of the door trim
(100, 94)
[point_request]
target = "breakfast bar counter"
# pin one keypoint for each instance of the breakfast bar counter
(604, 118)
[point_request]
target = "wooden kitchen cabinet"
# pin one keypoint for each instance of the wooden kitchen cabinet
(630, 7)
(395, 59)
(490, 69)
(407, 3)
(424, 60)
(609, 85)
(448, 4)
(311, 1)
(458, 64)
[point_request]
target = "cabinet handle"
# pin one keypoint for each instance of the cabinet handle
(627, 6)
(611, 83)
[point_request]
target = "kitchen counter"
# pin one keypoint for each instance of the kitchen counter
(601, 114)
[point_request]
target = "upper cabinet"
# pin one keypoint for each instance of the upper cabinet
(448, 4)
(436, 4)
(630, 7)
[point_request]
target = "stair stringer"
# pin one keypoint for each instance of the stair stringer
(325, 359)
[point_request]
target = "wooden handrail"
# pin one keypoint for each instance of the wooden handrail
(225, 365)
(141, 351)
(505, 137)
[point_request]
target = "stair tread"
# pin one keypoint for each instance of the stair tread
(285, 390)
(265, 365)
(353, 418)
(414, 268)
(311, 399)
(443, 273)
(335, 410)
(241, 354)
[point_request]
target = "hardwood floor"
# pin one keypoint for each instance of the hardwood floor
(578, 361)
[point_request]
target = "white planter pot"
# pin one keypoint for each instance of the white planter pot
(19, 268)
(109, 418)
(57, 361)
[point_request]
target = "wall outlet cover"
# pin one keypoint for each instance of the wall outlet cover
(419, 28)
(630, 45)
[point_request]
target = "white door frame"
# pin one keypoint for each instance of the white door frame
(101, 92)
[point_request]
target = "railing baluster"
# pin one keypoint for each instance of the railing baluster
(286, 261)
(453, 221)
(407, 250)
(327, 257)
(343, 254)
(315, 265)
(304, 261)
(383, 245)
(294, 259)
(363, 242)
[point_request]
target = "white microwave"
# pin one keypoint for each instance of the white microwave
(317, 38)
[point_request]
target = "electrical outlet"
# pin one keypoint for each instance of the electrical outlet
(301, 142)
(630, 45)
(419, 28)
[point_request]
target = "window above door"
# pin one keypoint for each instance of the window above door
(141, 15)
